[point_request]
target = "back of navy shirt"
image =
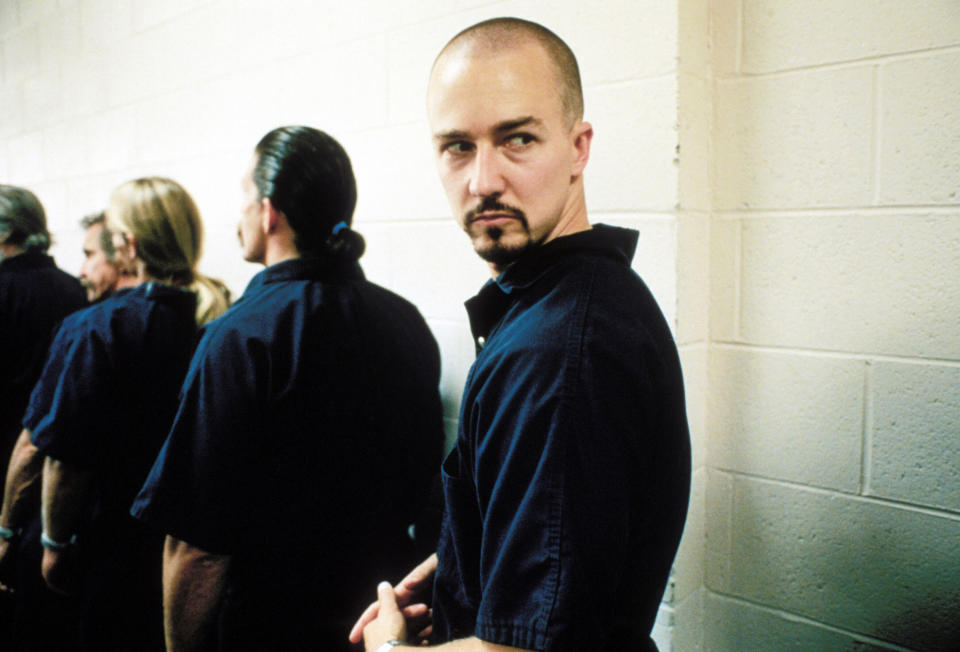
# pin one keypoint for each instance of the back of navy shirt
(34, 297)
(108, 391)
(103, 404)
(309, 426)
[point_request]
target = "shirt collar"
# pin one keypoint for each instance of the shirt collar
(155, 291)
(610, 241)
(28, 260)
(298, 269)
(494, 298)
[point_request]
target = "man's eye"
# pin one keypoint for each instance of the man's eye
(519, 140)
(457, 147)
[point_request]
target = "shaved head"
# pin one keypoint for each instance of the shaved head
(499, 35)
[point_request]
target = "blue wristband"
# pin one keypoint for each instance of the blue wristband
(56, 546)
(6, 534)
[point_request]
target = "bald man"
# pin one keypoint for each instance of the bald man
(567, 490)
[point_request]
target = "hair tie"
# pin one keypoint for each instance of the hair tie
(339, 226)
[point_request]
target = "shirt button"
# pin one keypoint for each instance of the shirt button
(481, 341)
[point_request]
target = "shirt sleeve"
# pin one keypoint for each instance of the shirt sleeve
(67, 409)
(551, 483)
(518, 469)
(200, 487)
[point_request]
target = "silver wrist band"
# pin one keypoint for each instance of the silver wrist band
(389, 645)
(56, 546)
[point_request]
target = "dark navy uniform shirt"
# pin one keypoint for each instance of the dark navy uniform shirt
(34, 296)
(108, 391)
(309, 427)
(103, 403)
(567, 490)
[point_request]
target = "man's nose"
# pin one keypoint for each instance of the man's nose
(486, 177)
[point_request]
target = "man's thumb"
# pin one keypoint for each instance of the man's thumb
(386, 597)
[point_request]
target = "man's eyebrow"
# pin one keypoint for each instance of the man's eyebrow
(501, 127)
(516, 123)
(453, 134)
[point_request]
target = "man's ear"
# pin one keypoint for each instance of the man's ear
(582, 134)
(269, 216)
(127, 250)
(133, 245)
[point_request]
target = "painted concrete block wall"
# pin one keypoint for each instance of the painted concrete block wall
(95, 92)
(694, 201)
(833, 410)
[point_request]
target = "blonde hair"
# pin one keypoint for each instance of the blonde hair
(165, 223)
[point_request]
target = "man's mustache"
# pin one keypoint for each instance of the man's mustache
(490, 204)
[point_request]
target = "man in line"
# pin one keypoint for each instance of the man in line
(40, 619)
(34, 296)
(96, 420)
(99, 272)
(309, 427)
(100, 276)
(567, 490)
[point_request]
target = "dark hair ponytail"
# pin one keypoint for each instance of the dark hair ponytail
(308, 177)
(23, 221)
(344, 243)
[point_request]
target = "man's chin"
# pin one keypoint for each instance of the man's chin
(498, 252)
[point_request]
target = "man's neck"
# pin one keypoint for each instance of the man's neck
(496, 270)
(126, 281)
(9, 251)
(279, 251)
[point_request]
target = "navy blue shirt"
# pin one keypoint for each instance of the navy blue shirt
(567, 490)
(34, 296)
(103, 403)
(309, 427)
(108, 391)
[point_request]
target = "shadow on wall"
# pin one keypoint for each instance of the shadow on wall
(872, 569)
(918, 628)
(912, 594)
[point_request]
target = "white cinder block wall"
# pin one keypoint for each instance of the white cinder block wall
(833, 488)
(95, 92)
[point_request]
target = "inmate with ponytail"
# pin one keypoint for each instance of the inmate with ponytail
(307, 175)
(23, 222)
(165, 223)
